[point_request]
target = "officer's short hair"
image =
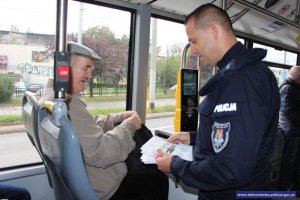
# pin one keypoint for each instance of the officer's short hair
(210, 13)
(78, 49)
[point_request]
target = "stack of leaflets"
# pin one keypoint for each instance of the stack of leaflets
(149, 148)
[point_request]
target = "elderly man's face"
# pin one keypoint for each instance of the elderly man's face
(81, 71)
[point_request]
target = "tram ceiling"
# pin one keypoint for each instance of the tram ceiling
(272, 20)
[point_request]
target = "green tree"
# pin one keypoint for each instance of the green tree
(167, 69)
(6, 88)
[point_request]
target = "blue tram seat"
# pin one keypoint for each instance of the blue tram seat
(63, 156)
(30, 108)
(30, 111)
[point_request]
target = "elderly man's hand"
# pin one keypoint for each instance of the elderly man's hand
(135, 120)
(128, 114)
(163, 160)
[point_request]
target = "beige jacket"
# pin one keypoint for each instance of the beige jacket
(104, 147)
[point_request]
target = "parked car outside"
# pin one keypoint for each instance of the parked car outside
(173, 88)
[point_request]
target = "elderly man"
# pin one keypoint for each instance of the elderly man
(105, 146)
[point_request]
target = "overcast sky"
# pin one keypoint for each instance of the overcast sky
(39, 16)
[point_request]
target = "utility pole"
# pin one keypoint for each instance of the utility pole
(153, 64)
(80, 23)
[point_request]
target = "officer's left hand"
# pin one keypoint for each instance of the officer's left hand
(163, 160)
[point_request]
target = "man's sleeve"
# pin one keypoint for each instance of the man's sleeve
(101, 148)
(109, 121)
(292, 105)
(193, 136)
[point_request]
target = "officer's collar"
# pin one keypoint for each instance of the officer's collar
(230, 54)
(226, 66)
(236, 58)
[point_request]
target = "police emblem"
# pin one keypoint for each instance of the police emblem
(220, 136)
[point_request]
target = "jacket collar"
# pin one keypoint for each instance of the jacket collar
(235, 59)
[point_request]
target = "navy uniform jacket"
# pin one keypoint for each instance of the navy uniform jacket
(237, 128)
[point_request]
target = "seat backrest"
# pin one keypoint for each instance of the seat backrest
(30, 111)
(63, 158)
(30, 108)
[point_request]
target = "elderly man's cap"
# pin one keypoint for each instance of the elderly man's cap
(75, 48)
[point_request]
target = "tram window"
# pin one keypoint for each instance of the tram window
(106, 31)
(26, 60)
(26, 46)
(165, 61)
(280, 74)
(241, 40)
(277, 56)
(281, 57)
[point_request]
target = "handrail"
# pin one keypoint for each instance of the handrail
(183, 59)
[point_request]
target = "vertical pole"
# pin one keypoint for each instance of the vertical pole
(224, 4)
(61, 65)
(153, 65)
(80, 23)
(140, 62)
(61, 25)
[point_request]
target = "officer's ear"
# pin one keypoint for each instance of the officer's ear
(213, 31)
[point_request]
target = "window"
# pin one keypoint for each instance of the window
(106, 31)
(18, 43)
(26, 52)
(281, 57)
(280, 74)
(278, 56)
(166, 49)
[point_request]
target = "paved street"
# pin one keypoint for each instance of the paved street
(16, 110)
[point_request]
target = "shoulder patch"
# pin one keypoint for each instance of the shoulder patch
(220, 136)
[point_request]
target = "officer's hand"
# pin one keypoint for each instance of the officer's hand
(180, 137)
(163, 160)
(135, 120)
(128, 114)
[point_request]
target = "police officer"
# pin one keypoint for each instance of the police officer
(238, 118)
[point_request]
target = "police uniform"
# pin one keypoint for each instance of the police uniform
(237, 128)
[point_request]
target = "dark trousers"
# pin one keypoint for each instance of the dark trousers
(143, 184)
(289, 178)
(12, 192)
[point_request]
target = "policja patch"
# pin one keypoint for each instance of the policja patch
(220, 136)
